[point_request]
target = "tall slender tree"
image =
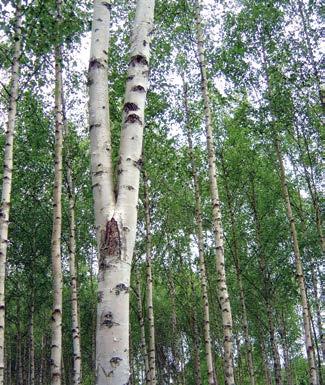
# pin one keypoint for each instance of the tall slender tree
(216, 210)
(7, 177)
(200, 240)
(56, 324)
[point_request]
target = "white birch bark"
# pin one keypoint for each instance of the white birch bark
(150, 311)
(76, 371)
(200, 241)
(310, 351)
(299, 271)
(116, 219)
(7, 179)
(216, 213)
(143, 331)
(56, 320)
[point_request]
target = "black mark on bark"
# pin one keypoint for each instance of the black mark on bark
(138, 59)
(130, 107)
(133, 118)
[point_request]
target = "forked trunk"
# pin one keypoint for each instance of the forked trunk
(116, 217)
(7, 179)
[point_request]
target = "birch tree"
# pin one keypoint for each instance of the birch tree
(216, 210)
(7, 177)
(56, 324)
(116, 216)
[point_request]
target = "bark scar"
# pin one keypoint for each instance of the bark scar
(110, 242)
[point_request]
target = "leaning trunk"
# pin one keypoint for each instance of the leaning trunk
(7, 179)
(216, 213)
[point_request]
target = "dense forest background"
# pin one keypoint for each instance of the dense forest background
(265, 82)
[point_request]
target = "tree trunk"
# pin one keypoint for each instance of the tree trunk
(266, 291)
(42, 370)
(116, 217)
(320, 85)
(56, 344)
(294, 236)
(299, 269)
(266, 370)
(274, 346)
(196, 348)
(216, 212)
(200, 241)
(235, 247)
(150, 312)
(176, 370)
(76, 372)
(143, 331)
(31, 346)
(7, 178)
(285, 348)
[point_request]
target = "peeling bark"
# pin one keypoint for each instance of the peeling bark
(7, 178)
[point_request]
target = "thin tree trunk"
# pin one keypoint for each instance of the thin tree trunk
(286, 353)
(56, 344)
(216, 213)
(266, 370)
(150, 312)
(318, 311)
(42, 374)
(266, 291)
(76, 372)
(299, 269)
(31, 346)
(116, 218)
(8, 374)
(311, 57)
(248, 345)
(19, 363)
(76, 376)
(196, 348)
(239, 362)
(143, 331)
(200, 241)
(294, 238)
(7, 179)
(274, 346)
(175, 342)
